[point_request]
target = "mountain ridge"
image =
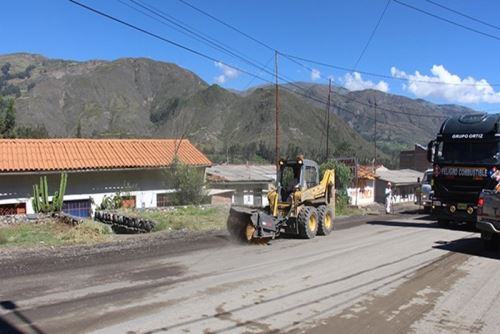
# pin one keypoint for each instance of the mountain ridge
(141, 97)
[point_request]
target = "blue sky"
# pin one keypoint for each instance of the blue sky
(335, 32)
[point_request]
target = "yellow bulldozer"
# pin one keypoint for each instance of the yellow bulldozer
(300, 204)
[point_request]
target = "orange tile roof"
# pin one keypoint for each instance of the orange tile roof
(366, 172)
(23, 155)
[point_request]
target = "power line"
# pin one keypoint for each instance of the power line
(372, 34)
(227, 25)
(342, 68)
(289, 56)
(464, 15)
(447, 20)
(190, 31)
(384, 76)
(365, 104)
(186, 48)
(211, 41)
(232, 66)
(166, 40)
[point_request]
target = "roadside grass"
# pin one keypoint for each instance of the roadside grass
(190, 218)
(349, 211)
(54, 234)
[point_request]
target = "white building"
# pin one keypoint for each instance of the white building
(95, 168)
(362, 190)
(404, 184)
(249, 184)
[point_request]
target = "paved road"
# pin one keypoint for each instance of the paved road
(402, 274)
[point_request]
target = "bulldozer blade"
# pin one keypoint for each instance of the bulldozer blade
(242, 226)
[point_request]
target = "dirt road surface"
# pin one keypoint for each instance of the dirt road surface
(393, 274)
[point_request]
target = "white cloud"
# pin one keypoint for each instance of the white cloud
(354, 81)
(228, 73)
(220, 79)
(467, 90)
(315, 74)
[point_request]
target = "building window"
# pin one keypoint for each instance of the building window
(164, 199)
(128, 202)
(12, 209)
(78, 208)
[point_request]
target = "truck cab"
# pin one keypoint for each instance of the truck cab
(426, 191)
(464, 155)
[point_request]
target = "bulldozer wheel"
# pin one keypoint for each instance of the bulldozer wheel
(325, 215)
(308, 222)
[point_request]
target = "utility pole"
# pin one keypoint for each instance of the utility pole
(328, 119)
(277, 111)
(375, 136)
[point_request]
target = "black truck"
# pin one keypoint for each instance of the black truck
(464, 155)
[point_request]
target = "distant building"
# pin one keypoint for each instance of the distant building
(415, 159)
(95, 168)
(247, 184)
(362, 190)
(404, 184)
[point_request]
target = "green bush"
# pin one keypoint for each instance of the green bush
(343, 179)
(188, 181)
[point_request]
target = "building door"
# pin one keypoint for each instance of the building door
(79, 208)
(248, 198)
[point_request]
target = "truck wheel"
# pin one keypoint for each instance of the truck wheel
(325, 216)
(308, 222)
(490, 241)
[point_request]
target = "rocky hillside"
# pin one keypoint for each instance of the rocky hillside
(145, 98)
(401, 121)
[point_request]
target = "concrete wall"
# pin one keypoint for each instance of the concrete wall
(364, 194)
(400, 193)
(246, 194)
(143, 184)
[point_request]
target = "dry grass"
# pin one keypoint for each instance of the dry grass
(54, 234)
(190, 218)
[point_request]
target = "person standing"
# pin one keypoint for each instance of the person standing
(388, 197)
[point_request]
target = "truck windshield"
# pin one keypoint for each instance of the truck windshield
(427, 178)
(469, 152)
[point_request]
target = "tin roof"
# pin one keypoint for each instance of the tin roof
(24, 155)
(401, 176)
(241, 173)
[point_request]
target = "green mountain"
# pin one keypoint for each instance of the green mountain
(144, 98)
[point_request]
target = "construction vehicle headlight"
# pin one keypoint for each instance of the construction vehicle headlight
(300, 162)
(453, 208)
(470, 210)
(281, 162)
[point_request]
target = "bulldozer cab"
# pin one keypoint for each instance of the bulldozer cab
(298, 174)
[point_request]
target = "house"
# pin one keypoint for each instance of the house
(247, 184)
(404, 184)
(415, 159)
(95, 167)
(362, 190)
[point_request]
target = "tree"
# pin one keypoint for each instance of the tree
(7, 118)
(188, 181)
(343, 179)
(5, 69)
